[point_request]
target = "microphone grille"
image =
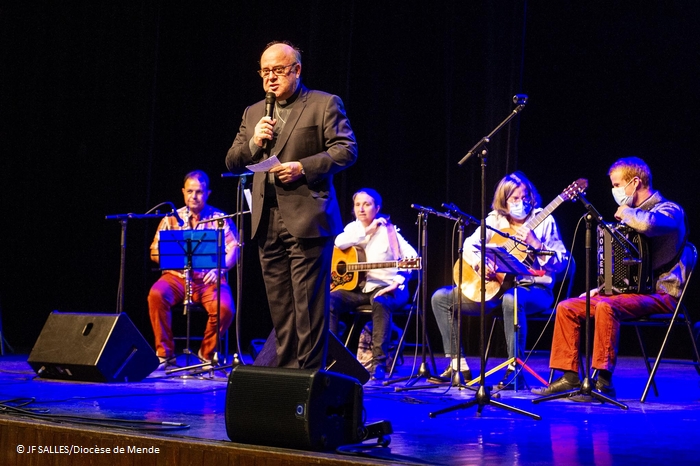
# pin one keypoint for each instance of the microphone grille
(270, 98)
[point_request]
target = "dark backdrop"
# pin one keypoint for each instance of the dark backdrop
(106, 105)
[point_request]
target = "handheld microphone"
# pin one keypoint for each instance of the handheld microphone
(270, 98)
(520, 99)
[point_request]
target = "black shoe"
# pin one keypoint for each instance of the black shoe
(378, 372)
(509, 382)
(558, 386)
(607, 390)
(446, 376)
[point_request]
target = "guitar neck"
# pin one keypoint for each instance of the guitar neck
(537, 219)
(362, 266)
(546, 212)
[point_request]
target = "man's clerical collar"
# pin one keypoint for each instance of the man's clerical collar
(292, 98)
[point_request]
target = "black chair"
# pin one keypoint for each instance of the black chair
(363, 314)
(679, 317)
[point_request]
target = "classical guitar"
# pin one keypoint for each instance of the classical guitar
(496, 284)
(348, 264)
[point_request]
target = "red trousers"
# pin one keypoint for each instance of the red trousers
(607, 312)
(170, 290)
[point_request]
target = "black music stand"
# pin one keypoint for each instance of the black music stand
(483, 395)
(504, 262)
(189, 250)
(586, 388)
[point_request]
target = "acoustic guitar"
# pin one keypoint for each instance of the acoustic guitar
(498, 283)
(348, 264)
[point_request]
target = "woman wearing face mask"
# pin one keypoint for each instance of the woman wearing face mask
(515, 203)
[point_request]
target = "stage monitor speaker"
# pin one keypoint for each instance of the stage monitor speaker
(339, 359)
(92, 348)
(293, 408)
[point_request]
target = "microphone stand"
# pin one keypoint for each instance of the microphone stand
(461, 218)
(483, 396)
(424, 371)
(123, 220)
(240, 212)
(586, 385)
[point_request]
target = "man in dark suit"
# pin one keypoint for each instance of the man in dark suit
(295, 213)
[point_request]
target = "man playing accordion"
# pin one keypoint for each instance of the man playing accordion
(663, 222)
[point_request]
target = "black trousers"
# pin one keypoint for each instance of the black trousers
(296, 272)
(343, 301)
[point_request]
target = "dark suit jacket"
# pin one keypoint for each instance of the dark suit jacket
(317, 134)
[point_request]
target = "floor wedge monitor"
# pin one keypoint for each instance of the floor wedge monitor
(92, 348)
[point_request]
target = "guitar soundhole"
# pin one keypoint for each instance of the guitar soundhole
(342, 268)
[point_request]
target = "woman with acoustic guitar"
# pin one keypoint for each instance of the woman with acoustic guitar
(526, 231)
(375, 237)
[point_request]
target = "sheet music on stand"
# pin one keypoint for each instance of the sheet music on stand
(505, 262)
(173, 249)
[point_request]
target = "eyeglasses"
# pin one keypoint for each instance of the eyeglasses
(277, 70)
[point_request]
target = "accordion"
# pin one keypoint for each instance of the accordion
(626, 267)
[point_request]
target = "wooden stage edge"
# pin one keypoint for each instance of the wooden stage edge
(18, 436)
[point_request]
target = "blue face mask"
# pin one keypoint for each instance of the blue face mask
(518, 210)
(621, 197)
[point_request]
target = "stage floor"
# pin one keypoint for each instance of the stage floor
(570, 433)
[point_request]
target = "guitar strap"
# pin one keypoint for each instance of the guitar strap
(393, 241)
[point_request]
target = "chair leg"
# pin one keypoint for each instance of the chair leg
(694, 343)
(350, 332)
(646, 363)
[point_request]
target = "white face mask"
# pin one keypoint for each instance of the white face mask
(621, 197)
(518, 210)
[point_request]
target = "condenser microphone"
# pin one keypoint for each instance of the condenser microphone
(270, 98)
(180, 222)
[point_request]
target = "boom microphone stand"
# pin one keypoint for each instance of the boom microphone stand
(483, 396)
(123, 220)
(461, 219)
(423, 371)
(586, 386)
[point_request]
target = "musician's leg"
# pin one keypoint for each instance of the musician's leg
(531, 299)
(343, 301)
(382, 307)
(442, 303)
(567, 334)
(610, 311)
